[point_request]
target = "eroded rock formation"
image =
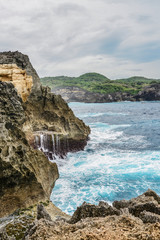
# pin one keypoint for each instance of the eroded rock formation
(26, 175)
(44, 110)
(22, 62)
(48, 113)
(22, 82)
(104, 222)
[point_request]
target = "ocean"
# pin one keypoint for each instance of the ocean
(121, 159)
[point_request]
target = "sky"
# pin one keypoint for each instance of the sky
(117, 38)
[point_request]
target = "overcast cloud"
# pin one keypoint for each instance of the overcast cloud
(117, 38)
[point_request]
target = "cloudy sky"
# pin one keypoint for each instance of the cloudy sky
(117, 38)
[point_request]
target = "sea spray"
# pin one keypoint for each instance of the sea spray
(121, 160)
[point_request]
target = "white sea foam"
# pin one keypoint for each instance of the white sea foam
(113, 166)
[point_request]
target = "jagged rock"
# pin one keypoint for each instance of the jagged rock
(121, 204)
(148, 201)
(101, 222)
(49, 112)
(22, 61)
(107, 228)
(22, 82)
(148, 206)
(148, 217)
(90, 210)
(44, 110)
(26, 175)
(42, 213)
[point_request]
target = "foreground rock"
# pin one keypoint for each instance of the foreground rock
(104, 222)
(108, 228)
(89, 210)
(145, 206)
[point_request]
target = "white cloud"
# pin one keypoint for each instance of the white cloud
(63, 37)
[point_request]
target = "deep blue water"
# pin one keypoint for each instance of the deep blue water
(121, 160)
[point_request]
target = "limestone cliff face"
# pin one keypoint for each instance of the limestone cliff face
(49, 112)
(26, 175)
(22, 62)
(44, 110)
(22, 82)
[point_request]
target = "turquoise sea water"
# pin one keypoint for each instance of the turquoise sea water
(121, 159)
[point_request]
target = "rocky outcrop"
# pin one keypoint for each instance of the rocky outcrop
(89, 210)
(46, 113)
(22, 62)
(76, 94)
(49, 113)
(145, 206)
(103, 222)
(22, 82)
(149, 93)
(26, 175)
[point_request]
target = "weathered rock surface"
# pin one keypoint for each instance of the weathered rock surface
(44, 110)
(22, 82)
(49, 112)
(26, 175)
(108, 228)
(42, 213)
(102, 222)
(149, 93)
(147, 202)
(76, 94)
(89, 210)
(22, 62)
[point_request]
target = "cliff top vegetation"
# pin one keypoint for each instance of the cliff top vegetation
(95, 82)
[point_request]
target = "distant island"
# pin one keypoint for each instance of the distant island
(94, 87)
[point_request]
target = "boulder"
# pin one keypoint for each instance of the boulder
(89, 210)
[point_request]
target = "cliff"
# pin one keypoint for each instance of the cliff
(45, 112)
(23, 63)
(22, 82)
(96, 88)
(76, 94)
(29, 111)
(26, 175)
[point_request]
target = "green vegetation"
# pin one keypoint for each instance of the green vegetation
(95, 82)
